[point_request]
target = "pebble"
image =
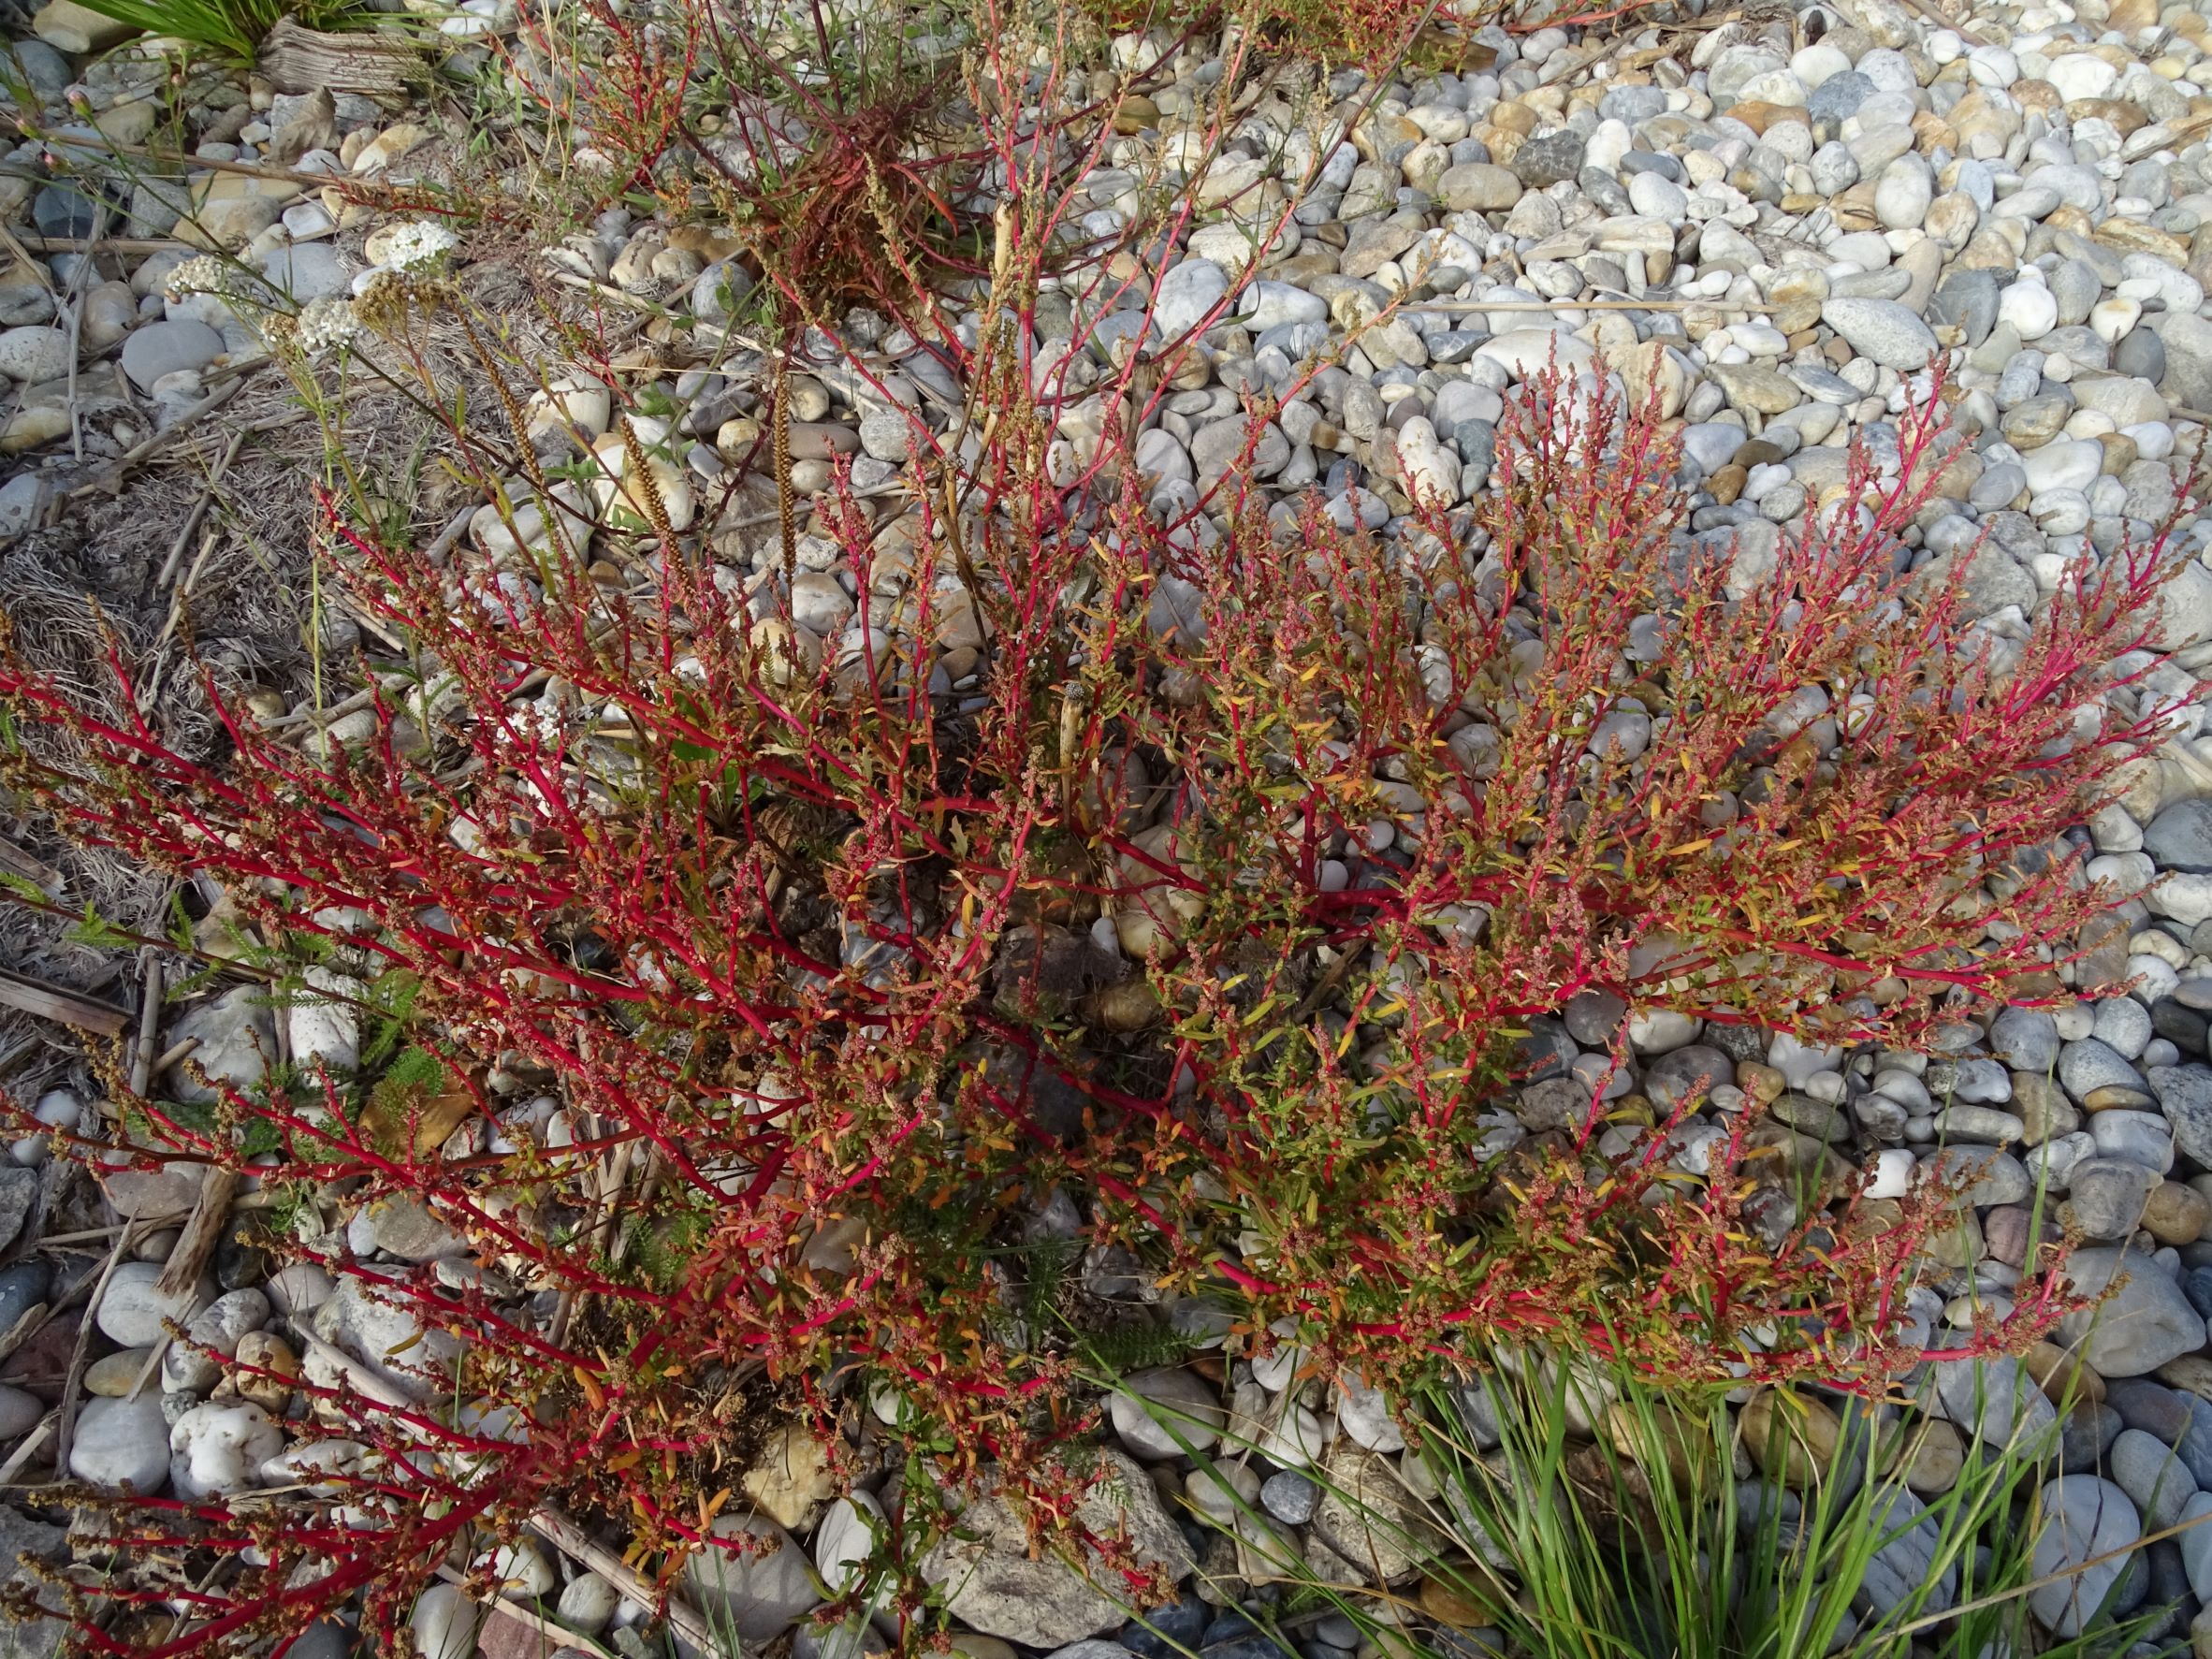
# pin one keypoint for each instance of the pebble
(444, 1623)
(1364, 1414)
(299, 1287)
(34, 354)
(134, 1313)
(845, 1540)
(588, 1604)
(1882, 331)
(218, 1449)
(2084, 1517)
(1290, 1497)
(195, 1365)
(2152, 1476)
(120, 1443)
(761, 1593)
(791, 1478)
(20, 1412)
(2145, 1323)
(163, 348)
(304, 271)
(18, 1194)
(260, 1351)
(1188, 291)
(23, 1289)
(1158, 1414)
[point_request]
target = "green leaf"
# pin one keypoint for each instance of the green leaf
(97, 933)
(24, 888)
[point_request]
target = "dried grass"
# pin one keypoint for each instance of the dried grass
(90, 580)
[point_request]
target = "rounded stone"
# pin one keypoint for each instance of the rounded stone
(1882, 331)
(587, 1603)
(165, 347)
(194, 1365)
(2147, 1470)
(20, 1412)
(2106, 1196)
(1290, 1497)
(2085, 1519)
(2025, 1039)
(1903, 192)
(1157, 1414)
(2029, 308)
(218, 1449)
(2176, 1213)
(122, 1443)
(306, 272)
(445, 1622)
(1364, 1414)
(1938, 1455)
(845, 1539)
(2142, 355)
(133, 1310)
(761, 1593)
(2145, 1323)
(34, 354)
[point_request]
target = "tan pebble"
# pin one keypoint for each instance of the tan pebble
(1874, 1218)
(1761, 118)
(2175, 1214)
(676, 265)
(1130, 1005)
(2113, 1096)
(1938, 1455)
(1504, 143)
(2057, 1372)
(1932, 132)
(27, 428)
(1792, 1437)
(791, 1478)
(1447, 1605)
(111, 1377)
(709, 241)
(1761, 1082)
(265, 1351)
(1684, 1441)
(387, 147)
(1958, 1245)
(2123, 117)
(1135, 114)
(735, 439)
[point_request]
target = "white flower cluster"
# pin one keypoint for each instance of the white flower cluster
(420, 246)
(327, 325)
(203, 273)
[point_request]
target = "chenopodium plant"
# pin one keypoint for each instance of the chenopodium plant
(1576, 758)
(786, 991)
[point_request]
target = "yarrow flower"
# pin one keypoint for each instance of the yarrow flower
(203, 273)
(419, 246)
(388, 297)
(326, 325)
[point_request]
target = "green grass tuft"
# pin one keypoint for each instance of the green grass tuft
(231, 28)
